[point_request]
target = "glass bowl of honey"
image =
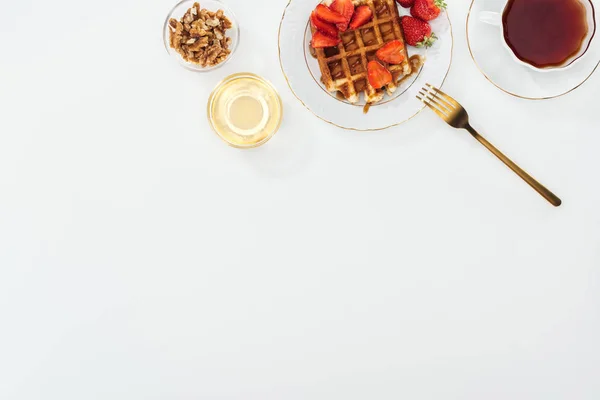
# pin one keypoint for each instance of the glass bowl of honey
(245, 110)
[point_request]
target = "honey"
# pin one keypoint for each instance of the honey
(245, 110)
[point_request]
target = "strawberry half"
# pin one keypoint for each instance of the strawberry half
(362, 15)
(346, 9)
(406, 3)
(327, 15)
(320, 41)
(322, 26)
(427, 9)
(391, 52)
(416, 32)
(378, 75)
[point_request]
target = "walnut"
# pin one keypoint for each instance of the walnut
(199, 24)
(213, 22)
(200, 36)
(199, 32)
(202, 58)
(199, 44)
(188, 18)
(212, 54)
(176, 26)
(222, 58)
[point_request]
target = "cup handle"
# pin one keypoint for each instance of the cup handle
(491, 18)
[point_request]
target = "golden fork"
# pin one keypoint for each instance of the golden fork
(456, 116)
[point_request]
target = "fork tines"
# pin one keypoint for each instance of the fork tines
(438, 101)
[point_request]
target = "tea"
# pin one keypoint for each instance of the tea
(545, 33)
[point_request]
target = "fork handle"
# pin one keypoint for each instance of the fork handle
(548, 195)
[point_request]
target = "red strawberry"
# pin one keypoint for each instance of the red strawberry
(406, 3)
(362, 15)
(320, 40)
(379, 76)
(322, 26)
(346, 9)
(328, 15)
(391, 52)
(427, 9)
(416, 32)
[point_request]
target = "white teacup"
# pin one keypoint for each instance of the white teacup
(495, 18)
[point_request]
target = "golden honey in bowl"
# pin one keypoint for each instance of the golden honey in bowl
(245, 110)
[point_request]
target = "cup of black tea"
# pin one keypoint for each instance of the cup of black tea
(546, 34)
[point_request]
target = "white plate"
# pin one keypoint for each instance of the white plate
(302, 73)
(497, 63)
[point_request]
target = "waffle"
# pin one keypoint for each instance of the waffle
(344, 68)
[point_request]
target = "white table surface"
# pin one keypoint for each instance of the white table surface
(142, 258)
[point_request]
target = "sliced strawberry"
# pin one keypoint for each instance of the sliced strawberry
(327, 15)
(362, 15)
(379, 76)
(391, 52)
(406, 3)
(322, 26)
(346, 9)
(320, 40)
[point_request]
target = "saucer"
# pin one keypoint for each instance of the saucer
(303, 75)
(497, 64)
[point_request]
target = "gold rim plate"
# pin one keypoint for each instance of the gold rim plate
(311, 94)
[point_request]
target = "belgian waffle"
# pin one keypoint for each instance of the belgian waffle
(344, 68)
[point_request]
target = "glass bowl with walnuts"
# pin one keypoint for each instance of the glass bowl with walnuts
(201, 35)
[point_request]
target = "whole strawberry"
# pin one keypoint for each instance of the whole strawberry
(406, 3)
(416, 32)
(427, 9)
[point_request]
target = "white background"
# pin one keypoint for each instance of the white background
(142, 258)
